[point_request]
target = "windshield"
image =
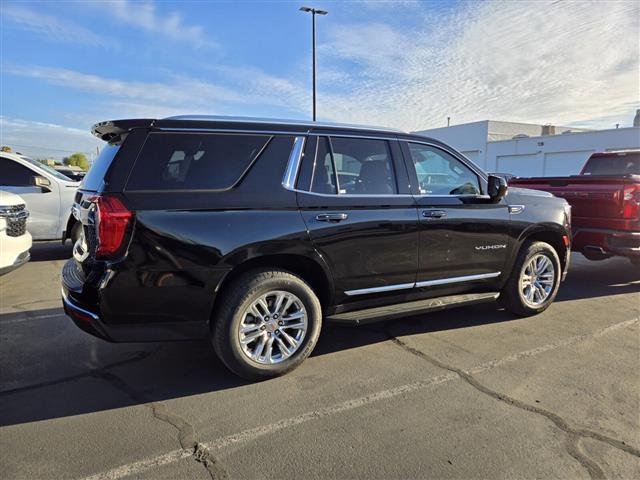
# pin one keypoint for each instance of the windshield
(624, 164)
(50, 170)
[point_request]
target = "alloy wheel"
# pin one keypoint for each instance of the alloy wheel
(273, 327)
(537, 280)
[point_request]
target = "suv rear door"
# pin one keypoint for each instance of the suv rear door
(463, 236)
(354, 196)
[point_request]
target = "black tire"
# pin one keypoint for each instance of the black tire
(76, 231)
(511, 296)
(635, 261)
(230, 311)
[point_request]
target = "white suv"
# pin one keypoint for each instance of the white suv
(48, 194)
(15, 241)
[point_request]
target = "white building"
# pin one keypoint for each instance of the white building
(532, 150)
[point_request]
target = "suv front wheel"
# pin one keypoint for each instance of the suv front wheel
(534, 281)
(267, 323)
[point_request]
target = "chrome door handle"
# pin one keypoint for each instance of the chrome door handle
(331, 217)
(434, 213)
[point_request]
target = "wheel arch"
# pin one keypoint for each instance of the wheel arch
(311, 270)
(548, 233)
(66, 233)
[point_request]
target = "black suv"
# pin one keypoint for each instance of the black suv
(251, 232)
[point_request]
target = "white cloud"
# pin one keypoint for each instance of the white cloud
(178, 91)
(570, 63)
(45, 140)
(143, 14)
(51, 28)
(522, 61)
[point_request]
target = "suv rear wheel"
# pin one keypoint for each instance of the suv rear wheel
(267, 324)
(534, 281)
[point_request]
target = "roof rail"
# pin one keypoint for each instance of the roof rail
(222, 118)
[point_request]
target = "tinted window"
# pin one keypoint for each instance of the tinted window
(190, 161)
(12, 174)
(363, 166)
(98, 170)
(628, 164)
(323, 177)
(440, 173)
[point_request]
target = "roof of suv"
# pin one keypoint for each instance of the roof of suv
(110, 130)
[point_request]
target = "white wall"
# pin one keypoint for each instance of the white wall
(549, 155)
(470, 139)
(555, 155)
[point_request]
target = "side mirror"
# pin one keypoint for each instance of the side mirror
(40, 181)
(497, 188)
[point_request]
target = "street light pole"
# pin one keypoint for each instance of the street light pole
(313, 12)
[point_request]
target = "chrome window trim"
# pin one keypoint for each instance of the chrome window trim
(386, 288)
(390, 138)
(425, 283)
(351, 195)
(464, 278)
(354, 195)
(293, 165)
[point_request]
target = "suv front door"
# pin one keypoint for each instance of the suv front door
(43, 202)
(463, 235)
(354, 196)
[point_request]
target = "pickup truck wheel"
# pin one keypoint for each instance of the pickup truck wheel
(267, 323)
(534, 281)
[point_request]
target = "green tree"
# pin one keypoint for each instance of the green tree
(78, 160)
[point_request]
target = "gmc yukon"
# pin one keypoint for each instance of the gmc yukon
(251, 232)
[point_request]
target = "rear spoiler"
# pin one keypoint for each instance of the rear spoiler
(112, 130)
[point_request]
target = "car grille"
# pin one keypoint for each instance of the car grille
(16, 217)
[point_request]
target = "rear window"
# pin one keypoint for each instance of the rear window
(628, 164)
(93, 179)
(194, 161)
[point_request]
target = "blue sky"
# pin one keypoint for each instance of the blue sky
(67, 65)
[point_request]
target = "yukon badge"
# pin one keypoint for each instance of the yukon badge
(491, 247)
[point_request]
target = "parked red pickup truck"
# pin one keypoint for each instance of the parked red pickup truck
(605, 204)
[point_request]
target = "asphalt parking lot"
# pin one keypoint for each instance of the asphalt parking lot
(467, 393)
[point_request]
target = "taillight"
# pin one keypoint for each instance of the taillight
(631, 201)
(112, 220)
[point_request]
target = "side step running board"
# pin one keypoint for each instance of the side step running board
(388, 312)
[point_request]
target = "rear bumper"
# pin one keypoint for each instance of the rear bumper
(81, 303)
(610, 242)
(84, 319)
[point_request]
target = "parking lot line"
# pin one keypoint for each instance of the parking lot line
(28, 319)
(351, 404)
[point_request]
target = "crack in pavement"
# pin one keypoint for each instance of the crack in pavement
(574, 435)
(186, 432)
(251, 434)
(92, 373)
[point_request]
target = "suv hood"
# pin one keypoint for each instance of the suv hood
(528, 192)
(8, 199)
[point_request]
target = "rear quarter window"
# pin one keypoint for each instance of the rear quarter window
(623, 164)
(95, 176)
(194, 161)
